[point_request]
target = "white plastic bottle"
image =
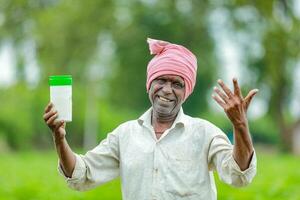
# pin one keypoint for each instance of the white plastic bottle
(61, 96)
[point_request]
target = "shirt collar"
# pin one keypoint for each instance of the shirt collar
(145, 119)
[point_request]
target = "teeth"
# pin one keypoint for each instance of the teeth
(164, 99)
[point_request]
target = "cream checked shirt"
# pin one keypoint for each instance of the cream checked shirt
(177, 166)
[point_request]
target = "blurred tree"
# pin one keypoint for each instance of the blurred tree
(181, 22)
(68, 36)
(271, 53)
(65, 32)
(65, 35)
(67, 39)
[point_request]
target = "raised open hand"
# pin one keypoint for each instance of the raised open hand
(233, 103)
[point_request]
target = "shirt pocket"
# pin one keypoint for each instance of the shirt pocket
(182, 177)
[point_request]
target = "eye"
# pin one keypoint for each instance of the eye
(178, 85)
(160, 81)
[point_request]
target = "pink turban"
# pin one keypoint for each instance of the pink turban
(172, 59)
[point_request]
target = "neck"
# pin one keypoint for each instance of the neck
(161, 123)
(163, 117)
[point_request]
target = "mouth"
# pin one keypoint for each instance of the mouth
(164, 99)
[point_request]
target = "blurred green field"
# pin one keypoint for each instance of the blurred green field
(33, 176)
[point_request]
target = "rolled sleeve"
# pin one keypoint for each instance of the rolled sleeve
(250, 170)
(96, 167)
(78, 172)
(238, 177)
(221, 159)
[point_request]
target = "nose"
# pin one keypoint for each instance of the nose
(167, 88)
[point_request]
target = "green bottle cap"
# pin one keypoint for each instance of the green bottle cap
(60, 80)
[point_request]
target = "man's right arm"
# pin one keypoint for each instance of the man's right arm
(83, 172)
(66, 156)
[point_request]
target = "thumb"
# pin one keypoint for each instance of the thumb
(249, 97)
(60, 124)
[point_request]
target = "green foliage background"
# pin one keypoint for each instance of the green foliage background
(102, 44)
(45, 182)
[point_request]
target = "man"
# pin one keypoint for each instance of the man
(165, 154)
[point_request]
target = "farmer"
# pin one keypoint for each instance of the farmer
(165, 154)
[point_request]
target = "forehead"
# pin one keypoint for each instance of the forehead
(171, 78)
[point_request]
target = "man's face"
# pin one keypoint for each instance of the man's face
(167, 95)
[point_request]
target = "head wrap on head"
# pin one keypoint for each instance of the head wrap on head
(172, 59)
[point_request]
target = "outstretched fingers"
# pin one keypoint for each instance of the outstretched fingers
(237, 90)
(219, 101)
(221, 94)
(225, 88)
(250, 96)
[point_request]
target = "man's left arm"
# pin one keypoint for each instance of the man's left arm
(235, 107)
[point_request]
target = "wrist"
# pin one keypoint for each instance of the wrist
(242, 124)
(58, 138)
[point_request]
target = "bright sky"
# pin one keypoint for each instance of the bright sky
(296, 8)
(7, 71)
(7, 66)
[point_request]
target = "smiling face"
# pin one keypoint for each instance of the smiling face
(166, 95)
